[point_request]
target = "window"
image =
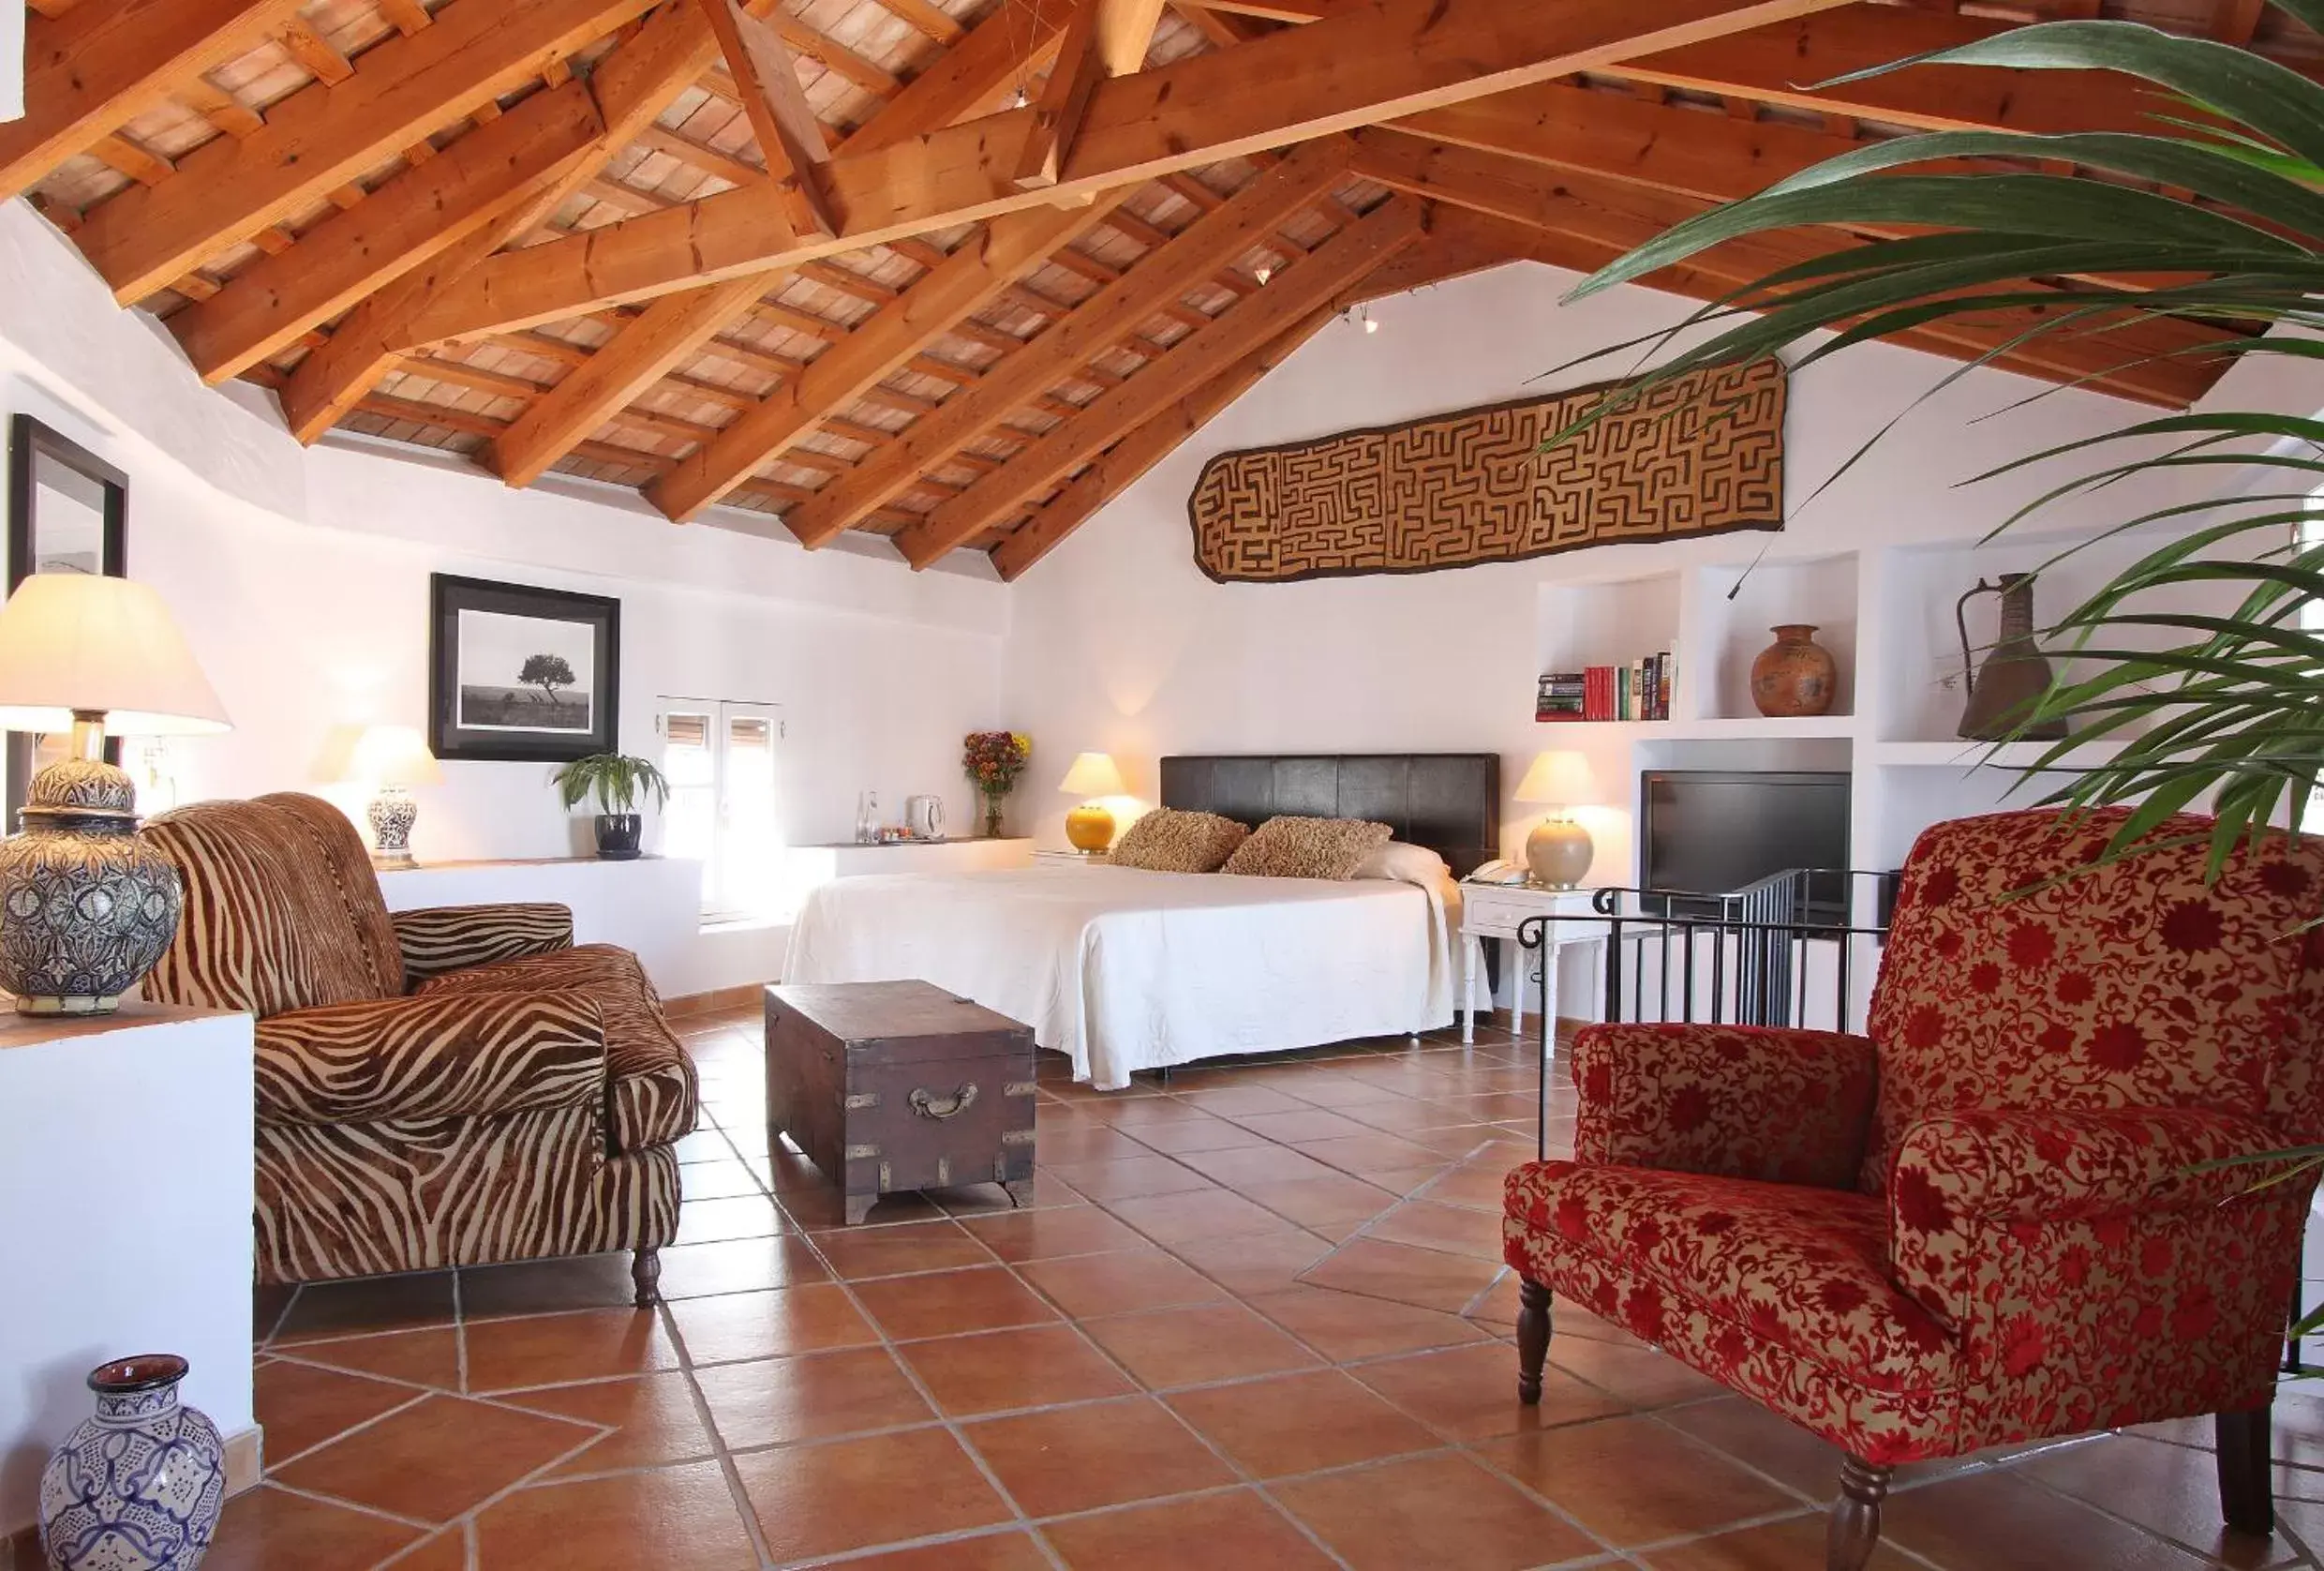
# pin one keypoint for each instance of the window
(724, 802)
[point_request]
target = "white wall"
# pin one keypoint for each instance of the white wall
(1121, 644)
(132, 1235)
(300, 578)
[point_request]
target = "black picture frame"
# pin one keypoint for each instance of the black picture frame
(449, 736)
(36, 448)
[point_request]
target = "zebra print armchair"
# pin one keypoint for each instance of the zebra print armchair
(458, 1086)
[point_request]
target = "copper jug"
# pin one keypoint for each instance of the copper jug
(2015, 673)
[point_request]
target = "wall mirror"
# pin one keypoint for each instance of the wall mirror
(67, 512)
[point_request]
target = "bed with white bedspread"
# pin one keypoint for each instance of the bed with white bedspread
(1125, 969)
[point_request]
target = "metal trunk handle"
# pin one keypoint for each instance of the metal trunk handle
(929, 1105)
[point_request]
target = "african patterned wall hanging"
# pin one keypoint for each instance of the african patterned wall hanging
(1701, 455)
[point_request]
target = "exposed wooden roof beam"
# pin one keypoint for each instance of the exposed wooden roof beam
(1125, 32)
(790, 138)
(1390, 59)
(672, 329)
(1622, 216)
(318, 138)
(1256, 321)
(1083, 55)
(1773, 64)
(632, 86)
(885, 344)
(1105, 319)
(1119, 466)
(95, 69)
(1668, 148)
(410, 219)
(928, 18)
(646, 348)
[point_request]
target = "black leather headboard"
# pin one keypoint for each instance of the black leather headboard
(1449, 802)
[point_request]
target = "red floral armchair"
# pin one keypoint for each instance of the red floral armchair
(1976, 1224)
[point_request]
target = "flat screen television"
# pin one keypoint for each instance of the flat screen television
(1713, 831)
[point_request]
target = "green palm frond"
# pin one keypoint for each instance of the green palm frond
(617, 779)
(2218, 707)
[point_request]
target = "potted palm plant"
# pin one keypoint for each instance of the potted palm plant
(618, 780)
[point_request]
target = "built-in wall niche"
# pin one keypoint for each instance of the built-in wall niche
(1609, 623)
(1921, 668)
(1902, 801)
(1739, 607)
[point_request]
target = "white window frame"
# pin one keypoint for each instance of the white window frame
(720, 904)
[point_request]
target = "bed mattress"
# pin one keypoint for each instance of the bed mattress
(1125, 969)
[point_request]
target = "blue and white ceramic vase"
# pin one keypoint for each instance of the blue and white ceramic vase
(139, 1486)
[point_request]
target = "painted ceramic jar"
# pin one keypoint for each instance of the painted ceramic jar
(139, 1486)
(1794, 675)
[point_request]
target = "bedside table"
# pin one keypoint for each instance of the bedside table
(1077, 859)
(1496, 911)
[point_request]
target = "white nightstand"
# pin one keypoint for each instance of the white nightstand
(1496, 911)
(1075, 858)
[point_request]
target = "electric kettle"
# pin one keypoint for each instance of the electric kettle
(923, 817)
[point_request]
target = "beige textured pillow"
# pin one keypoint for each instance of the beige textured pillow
(1170, 840)
(1308, 847)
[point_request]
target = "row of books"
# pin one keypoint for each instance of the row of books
(1639, 691)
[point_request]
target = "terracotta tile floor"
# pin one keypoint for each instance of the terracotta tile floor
(1255, 1319)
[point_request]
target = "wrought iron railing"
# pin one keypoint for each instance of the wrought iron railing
(1770, 953)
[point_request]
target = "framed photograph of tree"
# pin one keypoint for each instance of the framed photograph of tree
(522, 674)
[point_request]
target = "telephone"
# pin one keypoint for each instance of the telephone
(1501, 873)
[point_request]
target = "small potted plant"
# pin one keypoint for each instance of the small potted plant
(617, 779)
(993, 760)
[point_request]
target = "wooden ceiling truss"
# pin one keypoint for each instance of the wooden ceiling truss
(953, 272)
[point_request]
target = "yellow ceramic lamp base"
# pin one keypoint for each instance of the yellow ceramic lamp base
(1089, 827)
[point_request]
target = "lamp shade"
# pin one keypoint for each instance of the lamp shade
(77, 641)
(1559, 778)
(1094, 775)
(391, 756)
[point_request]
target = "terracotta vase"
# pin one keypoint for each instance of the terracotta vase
(1794, 676)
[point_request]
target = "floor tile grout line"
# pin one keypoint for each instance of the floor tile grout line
(418, 1396)
(737, 1495)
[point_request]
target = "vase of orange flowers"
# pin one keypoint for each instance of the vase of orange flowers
(993, 761)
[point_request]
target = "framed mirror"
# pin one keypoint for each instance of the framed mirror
(67, 512)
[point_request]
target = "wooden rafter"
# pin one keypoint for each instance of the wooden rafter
(1250, 324)
(322, 138)
(1392, 58)
(967, 281)
(790, 138)
(632, 86)
(2143, 361)
(1775, 63)
(93, 68)
(1082, 62)
(1125, 31)
(646, 348)
(1092, 328)
(1145, 446)
(412, 219)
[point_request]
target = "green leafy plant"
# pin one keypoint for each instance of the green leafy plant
(2229, 704)
(617, 778)
(2201, 703)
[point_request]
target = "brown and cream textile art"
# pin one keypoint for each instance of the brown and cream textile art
(1290, 848)
(1702, 455)
(1170, 840)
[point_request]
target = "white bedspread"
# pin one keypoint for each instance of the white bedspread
(1126, 970)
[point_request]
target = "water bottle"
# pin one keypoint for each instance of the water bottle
(867, 818)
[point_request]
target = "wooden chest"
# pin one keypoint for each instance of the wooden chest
(900, 1086)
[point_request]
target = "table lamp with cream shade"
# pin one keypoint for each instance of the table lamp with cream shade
(1089, 826)
(390, 760)
(1559, 851)
(86, 907)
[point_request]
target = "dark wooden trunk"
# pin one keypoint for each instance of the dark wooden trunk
(900, 1085)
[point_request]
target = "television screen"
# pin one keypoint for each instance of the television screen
(1713, 832)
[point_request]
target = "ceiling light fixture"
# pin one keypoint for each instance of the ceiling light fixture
(1262, 272)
